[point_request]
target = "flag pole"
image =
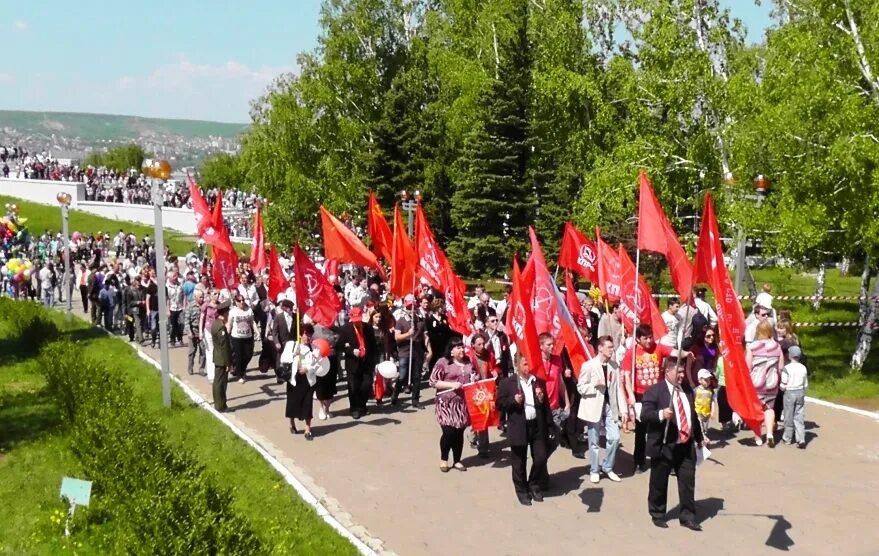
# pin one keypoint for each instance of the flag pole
(635, 320)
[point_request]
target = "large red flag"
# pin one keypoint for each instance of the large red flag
(277, 282)
(315, 295)
(456, 306)
(710, 269)
(217, 216)
(403, 259)
(342, 244)
(480, 397)
(378, 230)
(636, 303)
(578, 253)
(543, 301)
(579, 351)
(608, 269)
(655, 233)
(520, 324)
(432, 262)
(571, 300)
(258, 247)
(214, 236)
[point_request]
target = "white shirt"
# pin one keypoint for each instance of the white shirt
(354, 294)
(706, 310)
(528, 392)
(794, 376)
(46, 278)
(673, 323)
(672, 389)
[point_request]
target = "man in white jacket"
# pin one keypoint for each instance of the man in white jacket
(602, 400)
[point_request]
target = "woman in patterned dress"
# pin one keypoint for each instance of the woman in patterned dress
(449, 376)
(765, 359)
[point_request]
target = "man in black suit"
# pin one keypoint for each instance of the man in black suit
(352, 348)
(673, 436)
(522, 397)
(283, 331)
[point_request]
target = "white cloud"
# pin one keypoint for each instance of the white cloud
(7, 79)
(21, 25)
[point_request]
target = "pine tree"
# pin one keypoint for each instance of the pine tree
(492, 205)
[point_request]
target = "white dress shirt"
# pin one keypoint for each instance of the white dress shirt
(528, 393)
(674, 392)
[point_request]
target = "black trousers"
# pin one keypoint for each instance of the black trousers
(176, 326)
(219, 386)
(242, 352)
(359, 390)
(640, 438)
(724, 411)
(538, 475)
(84, 293)
(452, 440)
(574, 427)
(681, 458)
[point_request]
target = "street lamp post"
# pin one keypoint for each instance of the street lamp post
(761, 187)
(158, 172)
(409, 204)
(64, 200)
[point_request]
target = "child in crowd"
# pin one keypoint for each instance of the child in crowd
(703, 398)
(794, 381)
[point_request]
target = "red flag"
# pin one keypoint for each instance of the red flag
(520, 324)
(217, 216)
(378, 230)
(636, 303)
(204, 221)
(277, 282)
(543, 301)
(572, 302)
(315, 295)
(258, 247)
(579, 351)
(225, 268)
(710, 269)
(578, 253)
(655, 233)
(331, 269)
(608, 269)
(456, 305)
(432, 262)
(403, 259)
(342, 244)
(480, 397)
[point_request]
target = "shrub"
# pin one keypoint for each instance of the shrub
(27, 324)
(162, 500)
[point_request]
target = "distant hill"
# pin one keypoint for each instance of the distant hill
(106, 127)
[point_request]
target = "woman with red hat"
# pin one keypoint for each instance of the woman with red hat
(353, 347)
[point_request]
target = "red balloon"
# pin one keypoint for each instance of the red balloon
(322, 346)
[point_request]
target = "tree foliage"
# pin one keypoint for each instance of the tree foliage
(223, 171)
(120, 159)
(509, 113)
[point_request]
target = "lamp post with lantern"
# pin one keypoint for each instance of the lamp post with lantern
(64, 199)
(409, 204)
(158, 171)
(761, 190)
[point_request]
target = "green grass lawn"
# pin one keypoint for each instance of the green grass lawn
(44, 217)
(35, 454)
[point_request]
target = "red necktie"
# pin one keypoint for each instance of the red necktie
(683, 424)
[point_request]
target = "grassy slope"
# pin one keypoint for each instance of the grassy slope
(42, 217)
(34, 455)
(113, 127)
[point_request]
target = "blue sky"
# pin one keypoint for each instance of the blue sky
(195, 59)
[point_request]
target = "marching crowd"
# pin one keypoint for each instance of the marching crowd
(384, 350)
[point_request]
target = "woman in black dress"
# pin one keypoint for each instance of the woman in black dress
(383, 347)
(438, 331)
(300, 404)
(325, 388)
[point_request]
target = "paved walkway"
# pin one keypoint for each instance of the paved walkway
(383, 471)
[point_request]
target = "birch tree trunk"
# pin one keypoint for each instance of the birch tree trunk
(863, 302)
(819, 286)
(865, 336)
(844, 266)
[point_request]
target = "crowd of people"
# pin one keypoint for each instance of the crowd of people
(665, 391)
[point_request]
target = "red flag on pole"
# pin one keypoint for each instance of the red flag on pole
(579, 351)
(204, 220)
(656, 234)
(315, 295)
(217, 216)
(480, 397)
(378, 230)
(277, 282)
(637, 303)
(258, 247)
(709, 268)
(543, 301)
(608, 269)
(225, 268)
(403, 258)
(456, 305)
(572, 302)
(520, 324)
(578, 253)
(342, 244)
(432, 262)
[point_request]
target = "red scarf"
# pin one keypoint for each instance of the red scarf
(360, 343)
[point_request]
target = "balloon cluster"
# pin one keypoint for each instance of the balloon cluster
(13, 232)
(17, 270)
